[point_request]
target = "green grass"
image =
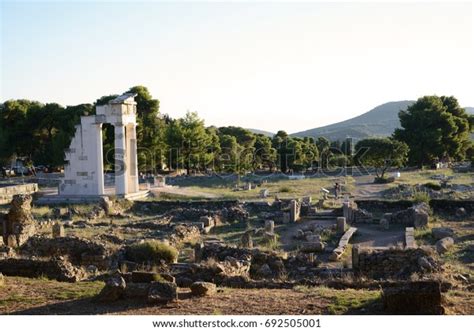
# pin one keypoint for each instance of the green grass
(343, 301)
(26, 292)
(283, 188)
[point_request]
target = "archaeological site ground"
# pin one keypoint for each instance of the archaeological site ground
(273, 246)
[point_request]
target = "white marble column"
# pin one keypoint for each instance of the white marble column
(132, 158)
(99, 160)
(121, 164)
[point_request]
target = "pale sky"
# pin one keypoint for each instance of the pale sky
(269, 66)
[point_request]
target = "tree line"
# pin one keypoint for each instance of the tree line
(433, 128)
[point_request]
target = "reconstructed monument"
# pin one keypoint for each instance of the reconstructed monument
(84, 170)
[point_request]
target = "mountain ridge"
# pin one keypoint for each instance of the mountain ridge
(380, 121)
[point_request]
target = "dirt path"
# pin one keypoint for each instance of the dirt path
(183, 191)
(369, 235)
(366, 189)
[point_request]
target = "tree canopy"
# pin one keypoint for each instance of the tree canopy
(435, 128)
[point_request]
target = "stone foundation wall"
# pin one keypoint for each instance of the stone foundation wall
(56, 268)
(7, 192)
(379, 263)
(79, 251)
(437, 205)
(164, 206)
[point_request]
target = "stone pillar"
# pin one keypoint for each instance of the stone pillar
(269, 226)
(121, 164)
(341, 225)
(347, 210)
(132, 159)
(58, 230)
(355, 256)
(99, 168)
(294, 212)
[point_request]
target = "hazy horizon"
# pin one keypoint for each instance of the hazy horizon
(266, 66)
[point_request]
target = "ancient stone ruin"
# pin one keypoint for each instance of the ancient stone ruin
(84, 171)
(18, 224)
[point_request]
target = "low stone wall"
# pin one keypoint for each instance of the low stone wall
(161, 207)
(56, 268)
(79, 251)
(451, 206)
(7, 192)
(384, 206)
(381, 262)
(437, 205)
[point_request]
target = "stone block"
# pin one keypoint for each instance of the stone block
(341, 225)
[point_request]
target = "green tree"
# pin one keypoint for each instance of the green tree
(381, 153)
(435, 128)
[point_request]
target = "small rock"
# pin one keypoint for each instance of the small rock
(425, 264)
(113, 290)
(461, 212)
(162, 292)
(2, 280)
(440, 233)
(203, 289)
(443, 245)
(265, 270)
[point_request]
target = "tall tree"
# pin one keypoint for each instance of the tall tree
(435, 128)
(381, 153)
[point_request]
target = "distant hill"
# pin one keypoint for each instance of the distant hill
(265, 133)
(378, 122)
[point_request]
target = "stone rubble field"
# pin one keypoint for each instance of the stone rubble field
(291, 253)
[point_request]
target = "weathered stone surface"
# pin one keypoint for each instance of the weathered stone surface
(183, 233)
(79, 251)
(341, 225)
(58, 230)
(444, 245)
(113, 290)
(56, 268)
(384, 224)
(410, 237)
(420, 298)
(417, 216)
(380, 263)
(269, 226)
(442, 232)
(162, 292)
(246, 240)
(312, 247)
(136, 291)
(203, 288)
(265, 270)
(19, 224)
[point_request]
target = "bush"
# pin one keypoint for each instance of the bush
(151, 251)
(433, 186)
(383, 180)
(421, 196)
(285, 189)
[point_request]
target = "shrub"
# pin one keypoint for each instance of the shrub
(421, 196)
(383, 180)
(151, 251)
(433, 186)
(285, 189)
